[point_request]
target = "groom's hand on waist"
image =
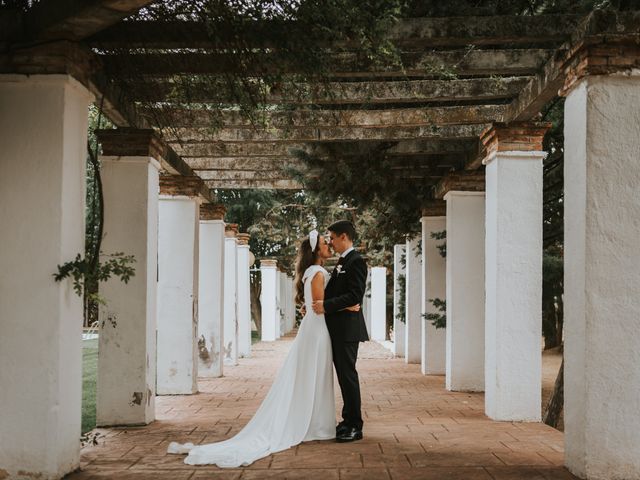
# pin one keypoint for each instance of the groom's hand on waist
(318, 306)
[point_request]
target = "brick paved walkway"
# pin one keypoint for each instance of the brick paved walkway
(414, 428)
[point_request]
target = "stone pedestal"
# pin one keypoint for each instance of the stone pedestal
(244, 300)
(513, 271)
(127, 348)
(379, 303)
(434, 281)
(231, 295)
(465, 291)
(211, 291)
(602, 278)
(43, 133)
(178, 262)
(399, 283)
(268, 272)
(413, 303)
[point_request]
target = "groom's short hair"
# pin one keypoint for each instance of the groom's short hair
(343, 226)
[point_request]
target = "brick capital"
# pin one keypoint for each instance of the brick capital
(467, 182)
(231, 230)
(212, 211)
(516, 136)
(268, 262)
(131, 142)
(243, 238)
(177, 185)
(436, 208)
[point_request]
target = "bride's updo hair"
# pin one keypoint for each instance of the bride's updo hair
(305, 259)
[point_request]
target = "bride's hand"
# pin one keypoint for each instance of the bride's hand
(353, 308)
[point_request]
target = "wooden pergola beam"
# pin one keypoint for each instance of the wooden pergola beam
(341, 93)
(418, 33)
(397, 117)
(258, 164)
(282, 184)
(278, 150)
(69, 19)
(311, 134)
(459, 62)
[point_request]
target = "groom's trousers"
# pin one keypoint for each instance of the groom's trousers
(345, 355)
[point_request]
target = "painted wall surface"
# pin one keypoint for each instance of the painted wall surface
(43, 134)
(211, 299)
(602, 278)
(268, 303)
(378, 303)
(434, 281)
(178, 242)
(398, 325)
(244, 302)
(413, 315)
(465, 291)
(230, 301)
(513, 270)
(127, 341)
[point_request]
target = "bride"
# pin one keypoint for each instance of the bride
(300, 405)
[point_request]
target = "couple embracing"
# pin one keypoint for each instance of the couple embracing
(300, 406)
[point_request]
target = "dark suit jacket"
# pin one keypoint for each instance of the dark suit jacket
(344, 290)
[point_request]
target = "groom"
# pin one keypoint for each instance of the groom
(346, 288)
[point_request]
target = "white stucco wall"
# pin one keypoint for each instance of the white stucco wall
(465, 291)
(244, 302)
(126, 382)
(398, 326)
(210, 298)
(178, 242)
(413, 303)
(513, 270)
(602, 278)
(268, 302)
(230, 329)
(378, 303)
(434, 281)
(43, 134)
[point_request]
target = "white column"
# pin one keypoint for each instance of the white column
(434, 281)
(231, 296)
(413, 303)
(291, 303)
(43, 133)
(465, 291)
(279, 305)
(513, 270)
(178, 263)
(127, 343)
(366, 304)
(268, 275)
(602, 278)
(399, 298)
(379, 303)
(211, 291)
(244, 300)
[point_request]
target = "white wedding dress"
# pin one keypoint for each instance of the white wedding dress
(300, 405)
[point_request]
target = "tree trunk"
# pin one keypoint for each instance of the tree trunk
(556, 402)
(256, 306)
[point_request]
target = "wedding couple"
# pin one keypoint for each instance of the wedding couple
(300, 405)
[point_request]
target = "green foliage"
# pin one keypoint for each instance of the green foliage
(439, 318)
(402, 295)
(83, 272)
(89, 384)
(442, 248)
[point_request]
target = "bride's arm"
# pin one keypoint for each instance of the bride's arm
(317, 287)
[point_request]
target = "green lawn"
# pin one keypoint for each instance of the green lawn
(89, 377)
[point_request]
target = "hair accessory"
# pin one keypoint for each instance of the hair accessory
(313, 239)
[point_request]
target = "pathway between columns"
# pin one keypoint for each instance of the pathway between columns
(414, 428)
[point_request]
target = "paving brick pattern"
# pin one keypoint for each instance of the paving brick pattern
(414, 429)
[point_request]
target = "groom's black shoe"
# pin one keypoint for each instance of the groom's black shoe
(341, 428)
(350, 435)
